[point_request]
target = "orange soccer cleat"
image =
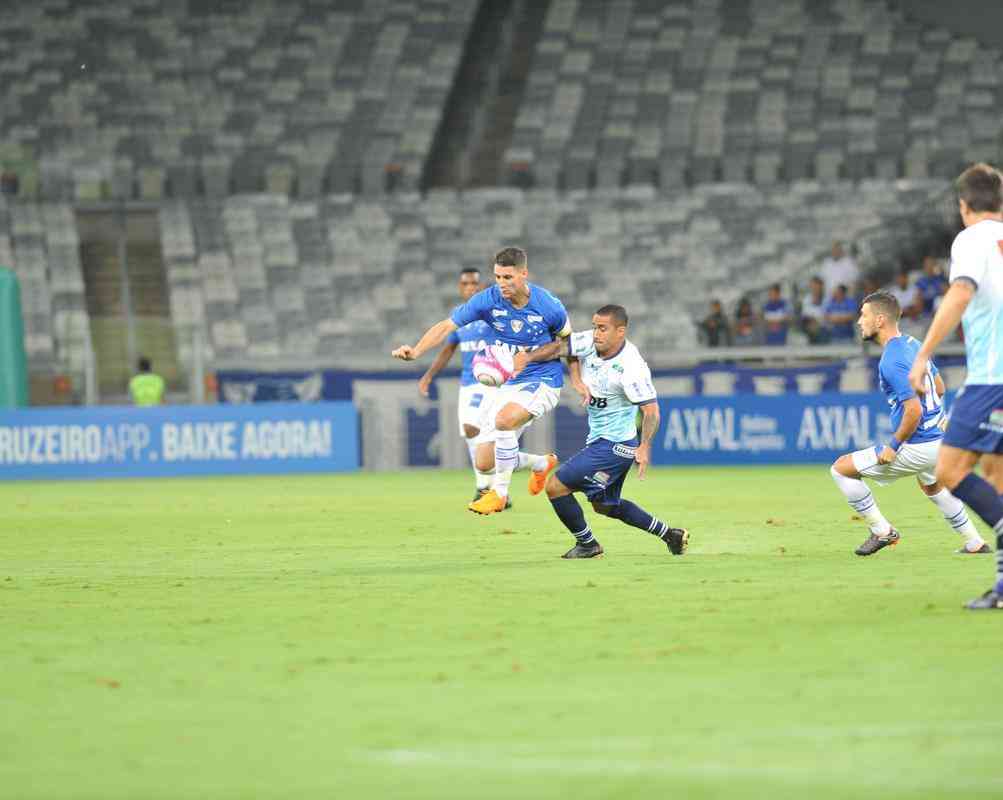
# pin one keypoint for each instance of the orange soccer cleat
(537, 480)
(490, 503)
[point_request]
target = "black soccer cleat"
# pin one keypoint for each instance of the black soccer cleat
(677, 540)
(591, 550)
(479, 493)
(965, 551)
(990, 601)
(875, 543)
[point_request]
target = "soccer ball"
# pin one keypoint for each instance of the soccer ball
(493, 365)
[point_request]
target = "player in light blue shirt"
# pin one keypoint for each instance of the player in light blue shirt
(975, 297)
(917, 423)
(523, 316)
(615, 382)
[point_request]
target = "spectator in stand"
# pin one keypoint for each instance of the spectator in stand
(839, 268)
(840, 314)
(813, 312)
(776, 317)
(10, 184)
(746, 324)
(715, 326)
(908, 296)
(931, 284)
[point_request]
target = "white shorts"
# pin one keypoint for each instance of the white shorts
(472, 401)
(912, 459)
(536, 398)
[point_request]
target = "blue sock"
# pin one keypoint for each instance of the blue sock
(979, 495)
(571, 514)
(633, 514)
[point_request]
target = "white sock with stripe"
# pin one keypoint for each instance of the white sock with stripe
(506, 460)
(533, 461)
(862, 501)
(954, 512)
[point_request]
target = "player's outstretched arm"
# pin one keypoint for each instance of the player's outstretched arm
(546, 352)
(951, 310)
(433, 337)
(650, 421)
(575, 371)
(446, 353)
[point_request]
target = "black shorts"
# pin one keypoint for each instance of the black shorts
(599, 470)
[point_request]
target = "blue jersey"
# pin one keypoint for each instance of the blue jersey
(893, 378)
(470, 338)
(538, 322)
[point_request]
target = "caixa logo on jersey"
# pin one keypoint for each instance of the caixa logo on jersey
(781, 429)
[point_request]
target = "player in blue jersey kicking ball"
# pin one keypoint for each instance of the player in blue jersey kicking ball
(912, 450)
(975, 433)
(523, 316)
(617, 381)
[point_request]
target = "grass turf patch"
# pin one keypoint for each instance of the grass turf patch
(365, 635)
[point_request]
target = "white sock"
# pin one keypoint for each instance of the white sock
(862, 501)
(533, 461)
(954, 512)
(506, 460)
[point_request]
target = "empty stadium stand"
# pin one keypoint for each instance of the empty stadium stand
(694, 91)
(339, 279)
(152, 96)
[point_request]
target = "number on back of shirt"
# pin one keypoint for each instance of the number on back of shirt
(930, 399)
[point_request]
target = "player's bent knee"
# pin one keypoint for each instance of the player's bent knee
(554, 487)
(470, 432)
(843, 467)
(602, 508)
(930, 489)
(947, 475)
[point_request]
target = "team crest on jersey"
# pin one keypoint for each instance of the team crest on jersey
(517, 325)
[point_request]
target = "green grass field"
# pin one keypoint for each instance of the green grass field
(366, 636)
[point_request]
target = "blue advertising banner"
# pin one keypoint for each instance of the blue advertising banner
(783, 429)
(121, 442)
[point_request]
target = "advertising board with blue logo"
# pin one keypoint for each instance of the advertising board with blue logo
(781, 429)
(120, 442)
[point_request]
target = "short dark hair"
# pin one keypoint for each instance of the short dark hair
(618, 313)
(775, 287)
(145, 365)
(981, 187)
(469, 270)
(511, 257)
(884, 303)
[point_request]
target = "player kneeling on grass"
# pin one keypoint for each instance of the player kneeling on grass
(913, 448)
(613, 380)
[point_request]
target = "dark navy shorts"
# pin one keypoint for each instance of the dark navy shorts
(599, 470)
(976, 421)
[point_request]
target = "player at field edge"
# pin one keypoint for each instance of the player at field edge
(975, 298)
(617, 382)
(912, 450)
(523, 317)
